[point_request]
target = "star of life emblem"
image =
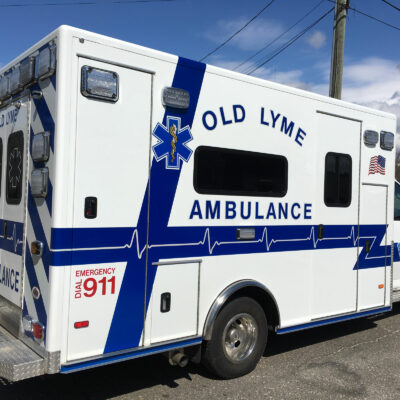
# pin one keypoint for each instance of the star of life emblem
(172, 143)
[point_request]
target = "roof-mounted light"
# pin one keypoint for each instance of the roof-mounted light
(15, 82)
(4, 87)
(46, 62)
(27, 71)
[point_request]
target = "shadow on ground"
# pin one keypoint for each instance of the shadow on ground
(130, 376)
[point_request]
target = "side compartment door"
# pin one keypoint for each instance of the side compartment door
(396, 225)
(111, 175)
(335, 256)
(14, 136)
(372, 248)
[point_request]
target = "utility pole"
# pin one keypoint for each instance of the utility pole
(339, 28)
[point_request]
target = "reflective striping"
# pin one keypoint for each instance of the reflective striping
(30, 304)
(49, 95)
(39, 210)
(39, 269)
(125, 331)
(45, 218)
(33, 280)
(45, 117)
(36, 123)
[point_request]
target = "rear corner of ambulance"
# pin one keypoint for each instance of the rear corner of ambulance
(27, 128)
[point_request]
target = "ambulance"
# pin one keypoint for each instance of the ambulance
(154, 204)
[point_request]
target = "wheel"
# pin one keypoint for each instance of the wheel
(238, 339)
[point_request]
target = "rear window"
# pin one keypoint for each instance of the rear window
(14, 172)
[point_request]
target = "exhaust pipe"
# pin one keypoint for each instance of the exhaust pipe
(178, 357)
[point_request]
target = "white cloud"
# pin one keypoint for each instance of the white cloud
(292, 78)
(373, 82)
(259, 32)
(316, 40)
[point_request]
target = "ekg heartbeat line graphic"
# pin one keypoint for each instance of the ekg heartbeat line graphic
(266, 240)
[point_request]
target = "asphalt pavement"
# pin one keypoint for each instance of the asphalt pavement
(357, 359)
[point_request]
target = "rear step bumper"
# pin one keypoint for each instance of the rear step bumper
(17, 361)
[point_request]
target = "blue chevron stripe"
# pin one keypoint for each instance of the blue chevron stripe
(38, 230)
(46, 119)
(126, 331)
(45, 116)
(30, 270)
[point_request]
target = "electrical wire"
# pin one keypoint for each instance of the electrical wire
(391, 5)
(370, 16)
(279, 36)
(82, 3)
(291, 41)
(237, 32)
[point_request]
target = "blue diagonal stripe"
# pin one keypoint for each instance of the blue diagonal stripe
(30, 270)
(38, 230)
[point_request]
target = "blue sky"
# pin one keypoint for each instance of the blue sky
(193, 28)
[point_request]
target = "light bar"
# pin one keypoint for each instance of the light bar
(175, 98)
(387, 140)
(46, 62)
(4, 87)
(27, 71)
(100, 84)
(14, 83)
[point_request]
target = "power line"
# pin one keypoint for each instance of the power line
(291, 41)
(391, 5)
(82, 3)
(279, 36)
(372, 17)
(237, 32)
(375, 19)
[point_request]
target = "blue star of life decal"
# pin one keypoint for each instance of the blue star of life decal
(172, 142)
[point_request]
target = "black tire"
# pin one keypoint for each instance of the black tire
(225, 339)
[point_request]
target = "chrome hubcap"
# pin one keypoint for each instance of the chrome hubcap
(240, 337)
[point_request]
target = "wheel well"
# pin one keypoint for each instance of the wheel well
(264, 298)
(243, 288)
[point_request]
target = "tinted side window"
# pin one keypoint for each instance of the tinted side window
(396, 202)
(338, 169)
(239, 173)
(14, 172)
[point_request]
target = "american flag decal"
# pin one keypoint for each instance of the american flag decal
(377, 165)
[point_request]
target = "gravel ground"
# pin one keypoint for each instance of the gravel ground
(353, 360)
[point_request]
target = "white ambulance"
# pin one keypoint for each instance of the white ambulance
(152, 204)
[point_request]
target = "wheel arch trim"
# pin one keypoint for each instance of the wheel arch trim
(225, 295)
